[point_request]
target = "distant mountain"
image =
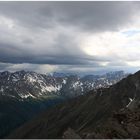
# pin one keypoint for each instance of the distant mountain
(24, 94)
(23, 85)
(112, 112)
(58, 74)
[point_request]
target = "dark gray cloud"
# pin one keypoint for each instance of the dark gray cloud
(93, 15)
(13, 54)
(39, 33)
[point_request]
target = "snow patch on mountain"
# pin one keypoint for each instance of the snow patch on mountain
(31, 79)
(26, 96)
(2, 89)
(131, 100)
(64, 81)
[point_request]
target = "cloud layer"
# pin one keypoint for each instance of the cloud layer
(69, 36)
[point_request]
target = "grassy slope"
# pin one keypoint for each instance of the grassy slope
(14, 113)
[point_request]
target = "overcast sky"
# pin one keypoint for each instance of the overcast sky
(83, 37)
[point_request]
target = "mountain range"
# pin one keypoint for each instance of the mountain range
(25, 94)
(23, 85)
(112, 112)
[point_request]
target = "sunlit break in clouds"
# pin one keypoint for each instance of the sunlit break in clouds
(84, 37)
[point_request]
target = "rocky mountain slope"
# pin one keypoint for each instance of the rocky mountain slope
(25, 94)
(86, 116)
(124, 123)
(22, 85)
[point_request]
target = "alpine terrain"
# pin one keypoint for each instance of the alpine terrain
(112, 112)
(24, 94)
(68, 69)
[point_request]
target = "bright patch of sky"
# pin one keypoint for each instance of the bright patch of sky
(130, 33)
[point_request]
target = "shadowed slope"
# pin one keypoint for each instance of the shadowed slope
(83, 114)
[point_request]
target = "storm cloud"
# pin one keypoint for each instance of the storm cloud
(69, 36)
(95, 16)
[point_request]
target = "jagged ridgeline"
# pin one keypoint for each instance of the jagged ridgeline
(112, 112)
(23, 94)
(22, 84)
